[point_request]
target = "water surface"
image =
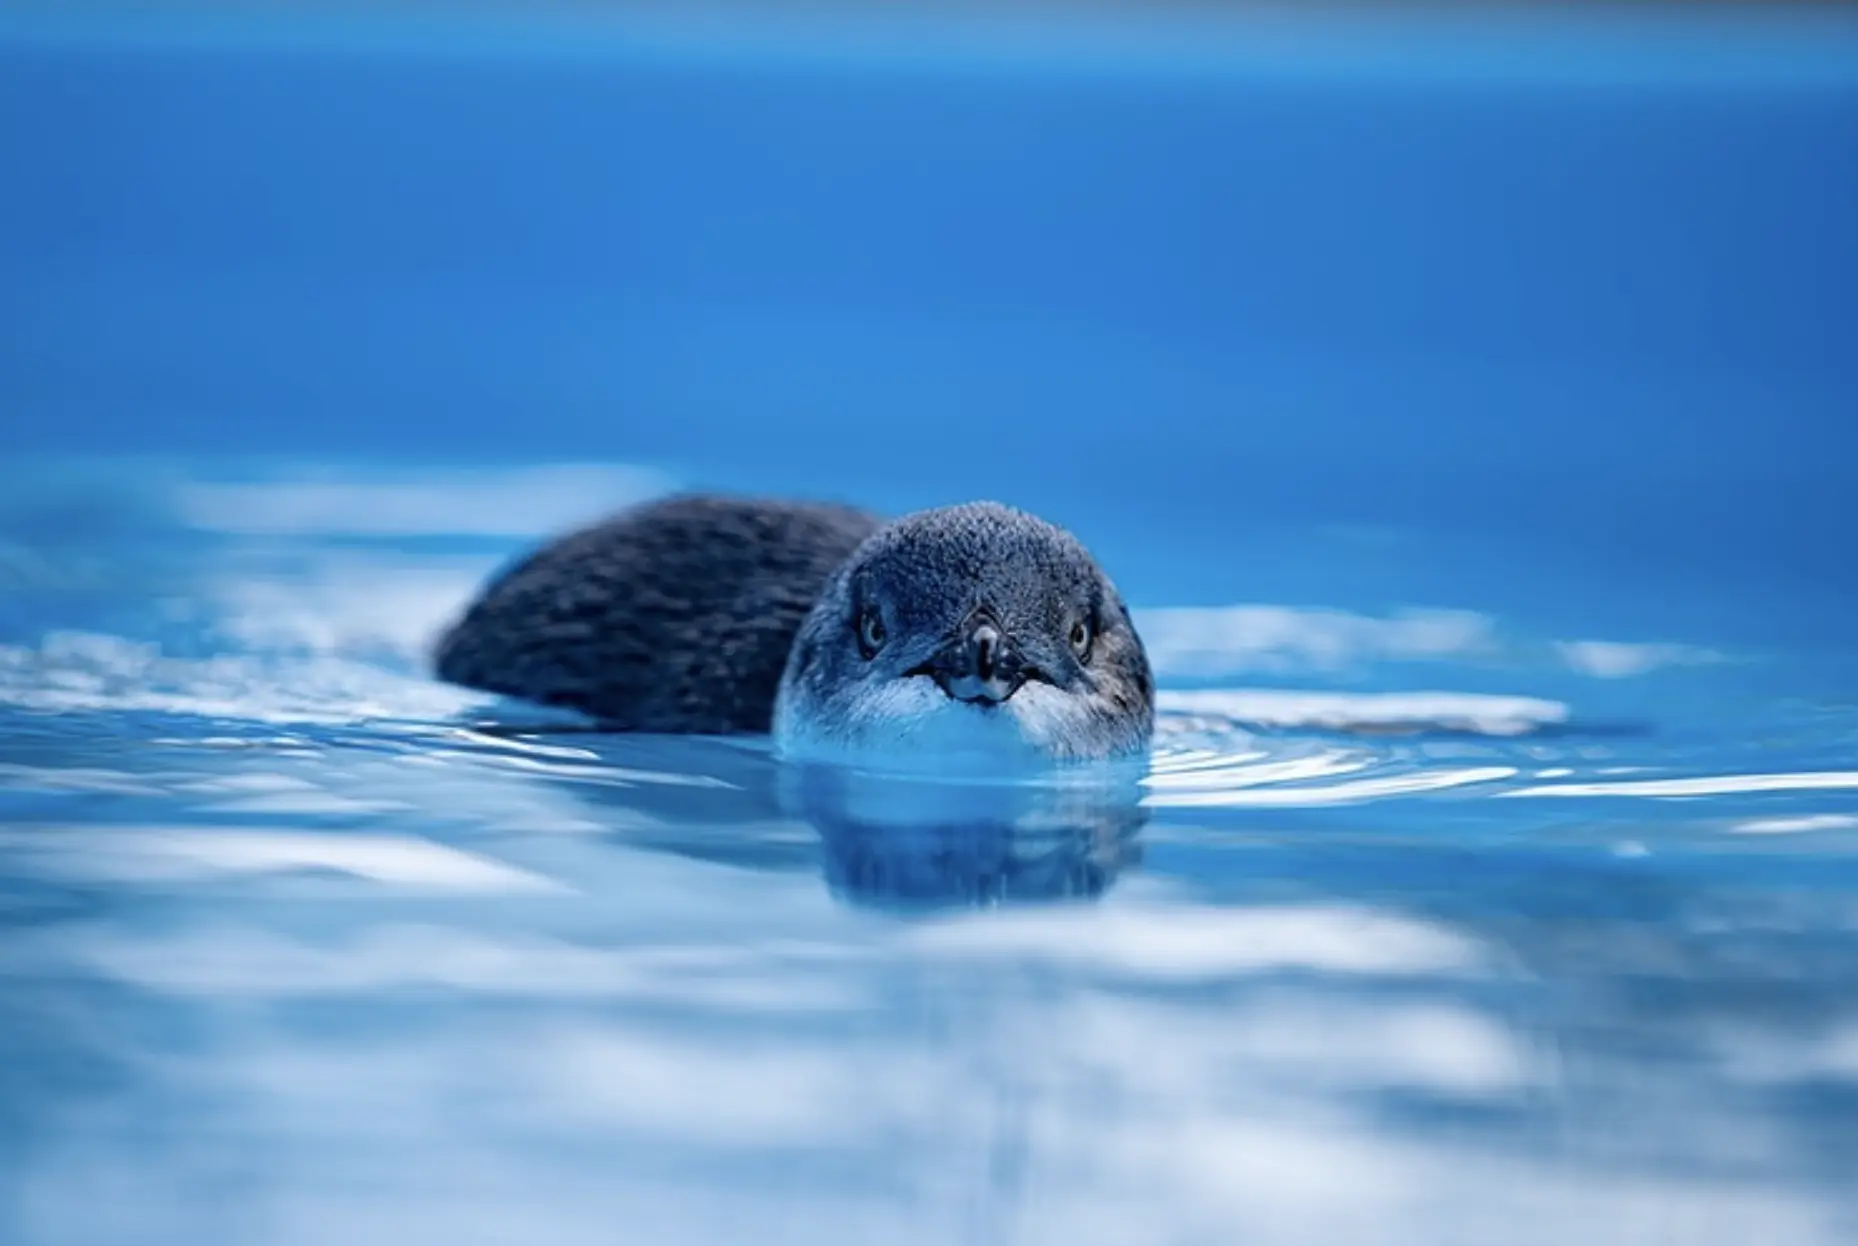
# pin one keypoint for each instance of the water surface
(1424, 926)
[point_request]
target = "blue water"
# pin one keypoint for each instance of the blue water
(1467, 413)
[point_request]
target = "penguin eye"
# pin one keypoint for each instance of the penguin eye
(870, 633)
(1081, 636)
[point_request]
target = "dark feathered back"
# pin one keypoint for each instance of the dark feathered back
(674, 617)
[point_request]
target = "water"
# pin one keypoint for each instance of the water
(1464, 409)
(300, 947)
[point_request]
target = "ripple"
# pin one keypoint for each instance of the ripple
(1211, 770)
(1356, 791)
(600, 772)
(1191, 771)
(1707, 785)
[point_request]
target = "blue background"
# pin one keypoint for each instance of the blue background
(1571, 301)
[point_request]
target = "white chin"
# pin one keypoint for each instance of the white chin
(914, 720)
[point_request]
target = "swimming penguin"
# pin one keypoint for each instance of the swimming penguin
(973, 627)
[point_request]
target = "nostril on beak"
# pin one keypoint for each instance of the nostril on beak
(986, 651)
(978, 665)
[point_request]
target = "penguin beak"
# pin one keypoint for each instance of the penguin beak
(981, 665)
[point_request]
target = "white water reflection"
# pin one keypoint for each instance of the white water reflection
(166, 854)
(1184, 943)
(1477, 713)
(1244, 639)
(345, 501)
(1033, 1079)
(1796, 826)
(1354, 791)
(70, 672)
(1259, 639)
(1611, 659)
(1703, 785)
